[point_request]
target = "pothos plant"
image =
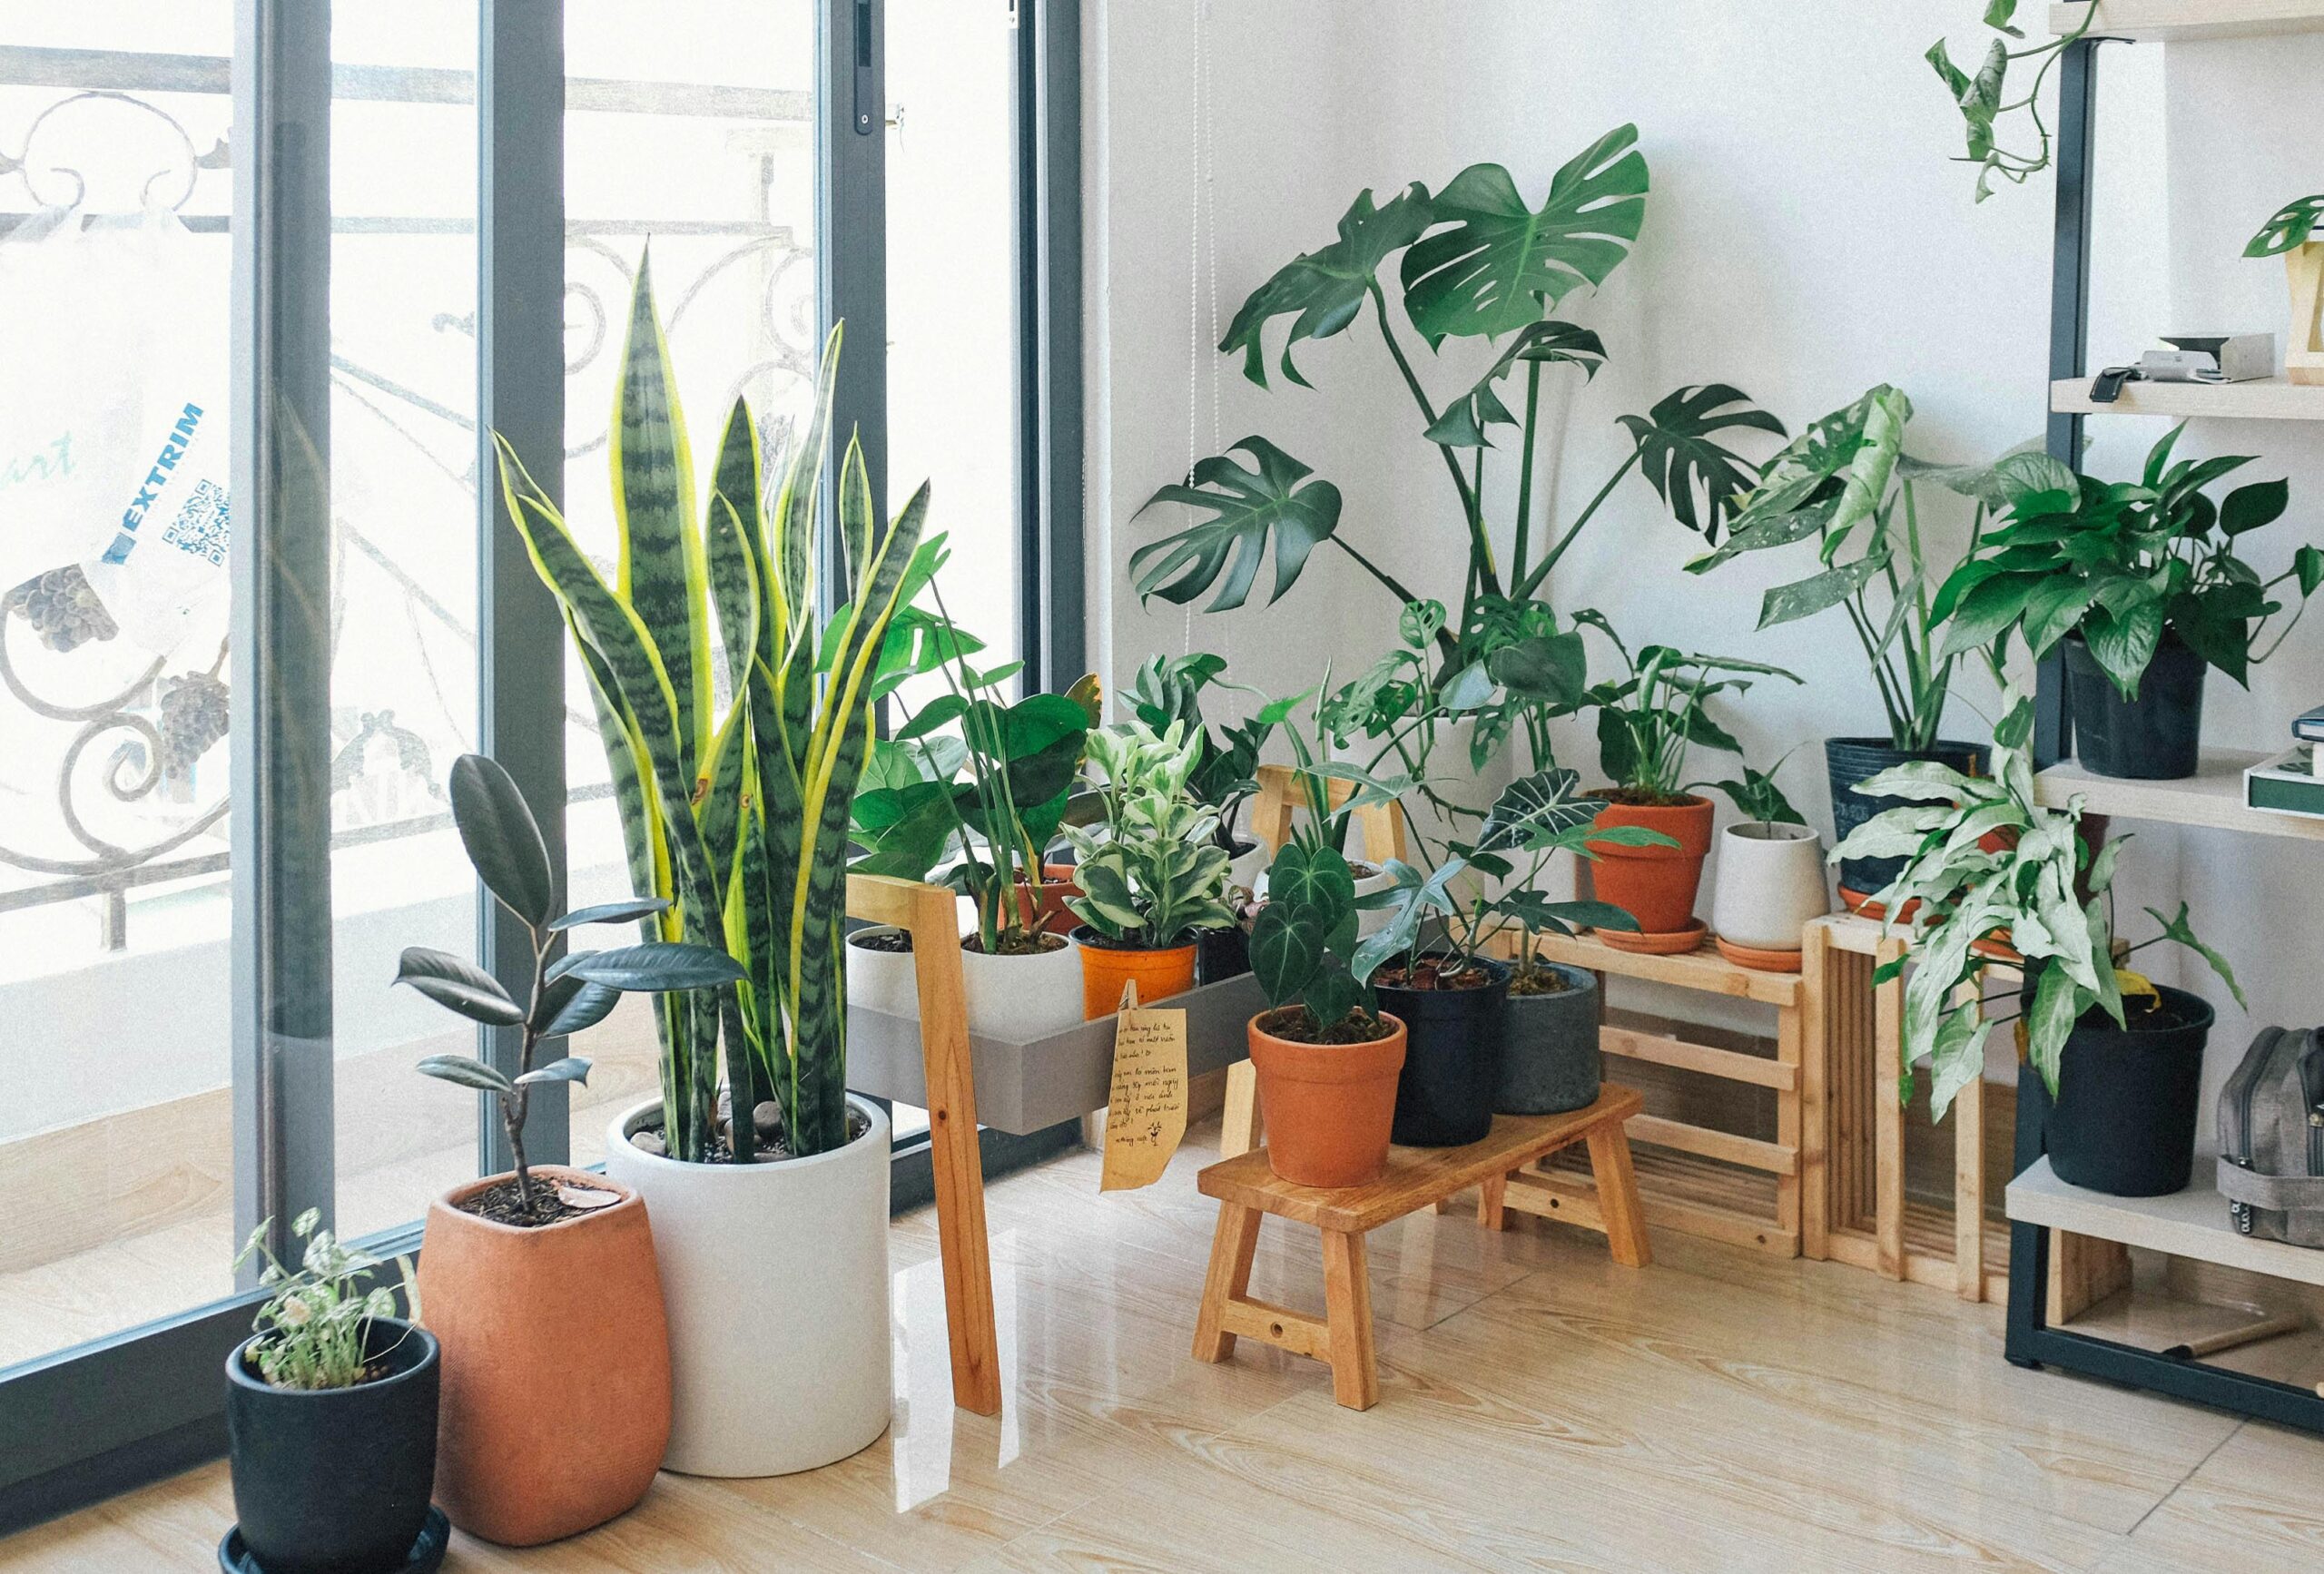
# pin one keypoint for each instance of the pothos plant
(1472, 260)
(1649, 719)
(1983, 97)
(1986, 863)
(1150, 875)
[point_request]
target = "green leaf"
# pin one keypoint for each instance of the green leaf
(571, 1068)
(1286, 948)
(2179, 932)
(1819, 593)
(2249, 507)
(2290, 226)
(1333, 992)
(1999, 15)
(2123, 646)
(1469, 689)
(2055, 607)
(1534, 807)
(588, 1006)
(2026, 476)
(460, 986)
(467, 1071)
(1248, 508)
(1326, 289)
(1503, 265)
(1696, 477)
(659, 968)
(1992, 606)
(1464, 421)
(1544, 669)
(502, 840)
(613, 912)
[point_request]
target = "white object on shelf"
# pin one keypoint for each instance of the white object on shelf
(2186, 21)
(2272, 399)
(2212, 797)
(2189, 1224)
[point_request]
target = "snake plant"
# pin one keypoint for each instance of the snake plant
(734, 762)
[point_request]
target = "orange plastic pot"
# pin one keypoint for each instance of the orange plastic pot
(1655, 885)
(1329, 1106)
(556, 1407)
(1049, 916)
(1160, 972)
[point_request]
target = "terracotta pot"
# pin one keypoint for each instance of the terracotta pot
(1160, 972)
(1057, 889)
(1328, 1106)
(1655, 885)
(556, 1363)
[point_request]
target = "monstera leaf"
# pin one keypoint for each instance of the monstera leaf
(1326, 287)
(1694, 474)
(1462, 425)
(2292, 225)
(1501, 264)
(1247, 507)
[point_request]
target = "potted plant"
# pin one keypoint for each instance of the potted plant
(970, 790)
(2290, 234)
(1327, 1056)
(769, 1200)
(330, 1419)
(1151, 875)
(1647, 720)
(1770, 877)
(2119, 1058)
(2141, 585)
(1848, 486)
(543, 1246)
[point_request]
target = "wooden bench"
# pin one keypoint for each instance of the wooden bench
(1416, 1177)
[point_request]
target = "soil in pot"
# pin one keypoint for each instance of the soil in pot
(1329, 1092)
(1655, 885)
(1107, 965)
(501, 1202)
(1848, 761)
(518, 1398)
(2124, 1121)
(1455, 1017)
(1550, 1061)
(2155, 736)
(336, 1481)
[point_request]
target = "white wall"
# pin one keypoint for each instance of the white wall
(1806, 237)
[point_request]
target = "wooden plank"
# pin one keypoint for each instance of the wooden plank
(1347, 1311)
(1888, 1113)
(1732, 1065)
(1232, 1246)
(1414, 1177)
(1492, 1193)
(1773, 1159)
(1704, 969)
(1787, 1123)
(1617, 1204)
(1968, 1118)
(1814, 1113)
(1238, 1123)
(1573, 1199)
(1277, 1326)
(2187, 21)
(2083, 1271)
(2212, 797)
(2273, 398)
(2189, 1224)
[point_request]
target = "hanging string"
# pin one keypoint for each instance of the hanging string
(1195, 146)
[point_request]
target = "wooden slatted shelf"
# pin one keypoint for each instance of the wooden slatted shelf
(2262, 399)
(2189, 20)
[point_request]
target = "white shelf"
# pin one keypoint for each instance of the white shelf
(2263, 399)
(2165, 21)
(2212, 798)
(2189, 1224)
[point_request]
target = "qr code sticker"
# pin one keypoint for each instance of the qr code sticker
(200, 527)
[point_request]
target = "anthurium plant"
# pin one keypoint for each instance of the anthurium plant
(567, 996)
(2121, 564)
(1649, 719)
(1304, 944)
(1150, 874)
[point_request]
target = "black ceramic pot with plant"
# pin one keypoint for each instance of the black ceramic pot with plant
(2128, 1098)
(1550, 1062)
(1853, 759)
(336, 1481)
(1444, 1095)
(2156, 734)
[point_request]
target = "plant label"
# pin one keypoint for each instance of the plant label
(1145, 1112)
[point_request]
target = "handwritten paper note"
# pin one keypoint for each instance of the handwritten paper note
(1145, 1114)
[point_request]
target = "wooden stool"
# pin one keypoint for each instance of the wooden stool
(1415, 1179)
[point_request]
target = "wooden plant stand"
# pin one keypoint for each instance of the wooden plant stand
(1248, 1189)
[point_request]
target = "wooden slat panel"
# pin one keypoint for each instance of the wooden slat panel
(2164, 21)
(1704, 969)
(1733, 1065)
(1277, 1326)
(1572, 1198)
(1772, 1158)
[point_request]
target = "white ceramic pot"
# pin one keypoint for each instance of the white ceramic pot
(776, 1277)
(1769, 884)
(1012, 998)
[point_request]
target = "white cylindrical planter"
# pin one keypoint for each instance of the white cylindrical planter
(881, 982)
(1014, 997)
(775, 1277)
(1770, 884)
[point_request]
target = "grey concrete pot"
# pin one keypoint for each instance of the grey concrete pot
(1548, 1061)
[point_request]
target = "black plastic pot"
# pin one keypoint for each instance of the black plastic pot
(1444, 1094)
(1548, 1060)
(1222, 954)
(2124, 1121)
(2156, 736)
(1849, 760)
(336, 1481)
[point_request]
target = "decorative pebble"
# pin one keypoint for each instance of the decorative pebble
(767, 1116)
(586, 1198)
(649, 1142)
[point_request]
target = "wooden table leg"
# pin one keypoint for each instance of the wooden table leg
(1969, 1189)
(1238, 1127)
(1815, 1117)
(1790, 1045)
(1231, 1250)
(1347, 1310)
(1609, 1166)
(1491, 1193)
(1889, 1116)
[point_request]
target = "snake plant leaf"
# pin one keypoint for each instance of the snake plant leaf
(1697, 477)
(611, 912)
(2292, 225)
(1464, 421)
(466, 1070)
(735, 487)
(659, 968)
(1501, 263)
(458, 985)
(1248, 508)
(502, 839)
(1326, 287)
(1286, 948)
(568, 1069)
(662, 572)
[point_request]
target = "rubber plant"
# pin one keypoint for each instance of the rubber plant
(1472, 260)
(735, 762)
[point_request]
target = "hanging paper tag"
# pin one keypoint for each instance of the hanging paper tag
(1145, 1113)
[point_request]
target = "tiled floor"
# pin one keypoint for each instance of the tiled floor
(1541, 1409)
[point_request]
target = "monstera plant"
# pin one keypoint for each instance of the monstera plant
(1472, 260)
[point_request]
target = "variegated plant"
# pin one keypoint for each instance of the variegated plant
(734, 760)
(1152, 873)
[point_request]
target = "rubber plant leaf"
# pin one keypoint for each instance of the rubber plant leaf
(1271, 502)
(457, 985)
(611, 912)
(502, 839)
(659, 968)
(1697, 477)
(1324, 290)
(467, 1071)
(1500, 264)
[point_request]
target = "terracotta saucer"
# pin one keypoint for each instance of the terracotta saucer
(1675, 943)
(1864, 907)
(1757, 960)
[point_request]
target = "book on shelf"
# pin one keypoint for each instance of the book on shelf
(2286, 783)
